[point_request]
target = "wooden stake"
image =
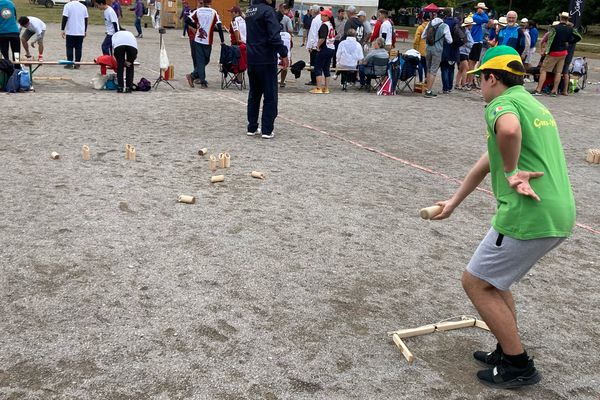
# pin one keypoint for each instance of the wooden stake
(422, 330)
(403, 349)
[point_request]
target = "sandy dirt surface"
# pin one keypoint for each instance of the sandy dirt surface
(276, 289)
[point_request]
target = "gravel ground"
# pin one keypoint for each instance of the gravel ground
(283, 288)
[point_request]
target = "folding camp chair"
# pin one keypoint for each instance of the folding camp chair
(376, 70)
(409, 66)
(233, 66)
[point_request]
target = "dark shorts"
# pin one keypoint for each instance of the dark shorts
(475, 52)
(464, 57)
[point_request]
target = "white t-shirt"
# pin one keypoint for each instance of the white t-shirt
(313, 33)
(123, 38)
(286, 38)
(36, 25)
(239, 24)
(110, 16)
(386, 28)
(207, 19)
(76, 14)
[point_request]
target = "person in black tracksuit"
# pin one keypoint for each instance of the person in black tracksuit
(263, 43)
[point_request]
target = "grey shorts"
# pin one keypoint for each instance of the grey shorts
(27, 34)
(433, 62)
(501, 261)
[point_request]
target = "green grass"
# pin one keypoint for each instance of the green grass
(54, 15)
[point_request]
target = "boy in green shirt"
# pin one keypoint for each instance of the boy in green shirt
(535, 209)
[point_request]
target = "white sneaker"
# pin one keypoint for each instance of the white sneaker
(269, 136)
(253, 133)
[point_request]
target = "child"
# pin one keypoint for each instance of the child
(535, 209)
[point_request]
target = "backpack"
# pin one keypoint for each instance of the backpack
(24, 80)
(431, 33)
(13, 85)
(143, 85)
(459, 37)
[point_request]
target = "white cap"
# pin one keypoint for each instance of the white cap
(362, 14)
(524, 21)
(315, 7)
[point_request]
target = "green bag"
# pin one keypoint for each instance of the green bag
(3, 79)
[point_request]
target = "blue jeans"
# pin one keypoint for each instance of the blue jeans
(447, 75)
(202, 56)
(262, 82)
(107, 45)
(138, 25)
(422, 68)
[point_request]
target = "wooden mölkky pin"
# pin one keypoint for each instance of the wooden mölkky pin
(85, 152)
(222, 160)
(212, 162)
(257, 175)
(202, 151)
(217, 178)
(430, 212)
(227, 160)
(183, 198)
(54, 155)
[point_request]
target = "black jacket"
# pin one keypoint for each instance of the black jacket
(263, 41)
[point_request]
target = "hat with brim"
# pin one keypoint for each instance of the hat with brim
(502, 21)
(327, 13)
(481, 5)
(362, 14)
(468, 22)
(564, 14)
(524, 21)
(498, 58)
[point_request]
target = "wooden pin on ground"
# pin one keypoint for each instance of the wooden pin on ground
(202, 151)
(186, 199)
(54, 155)
(217, 178)
(222, 160)
(443, 326)
(85, 152)
(593, 156)
(430, 212)
(227, 160)
(257, 175)
(132, 153)
(212, 162)
(127, 151)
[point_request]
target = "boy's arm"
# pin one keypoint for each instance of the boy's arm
(470, 183)
(508, 137)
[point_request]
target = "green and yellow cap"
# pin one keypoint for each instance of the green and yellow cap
(499, 57)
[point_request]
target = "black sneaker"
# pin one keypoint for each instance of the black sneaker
(507, 376)
(491, 358)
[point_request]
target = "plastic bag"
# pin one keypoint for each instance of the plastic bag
(164, 59)
(99, 81)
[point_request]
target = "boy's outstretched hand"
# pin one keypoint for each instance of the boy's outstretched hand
(447, 208)
(520, 182)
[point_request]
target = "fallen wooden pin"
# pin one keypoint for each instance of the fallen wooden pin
(465, 322)
(593, 156)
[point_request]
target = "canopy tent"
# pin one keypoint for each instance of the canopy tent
(431, 7)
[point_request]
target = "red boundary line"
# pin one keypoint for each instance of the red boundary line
(391, 157)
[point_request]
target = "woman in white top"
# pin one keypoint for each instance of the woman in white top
(348, 56)
(125, 49)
